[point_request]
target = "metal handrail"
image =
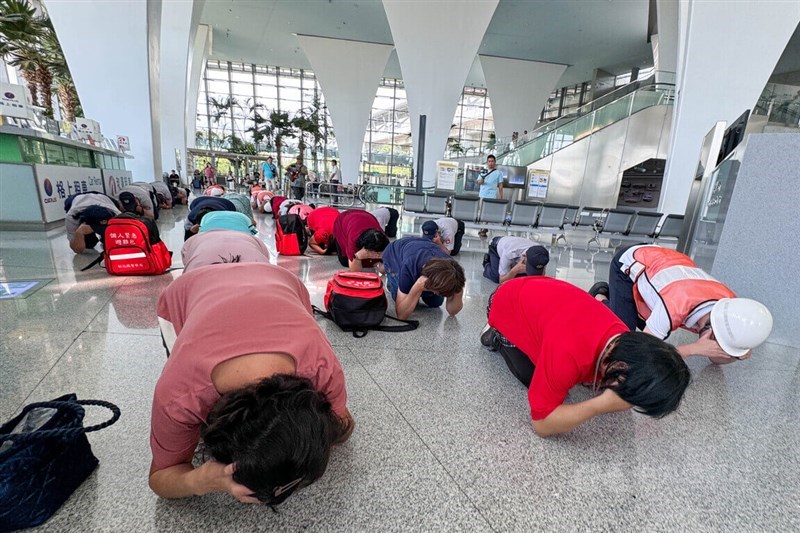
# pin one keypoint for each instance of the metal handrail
(553, 144)
(504, 145)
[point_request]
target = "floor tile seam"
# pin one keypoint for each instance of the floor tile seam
(71, 344)
(425, 444)
(102, 332)
(49, 370)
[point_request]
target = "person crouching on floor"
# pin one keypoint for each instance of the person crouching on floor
(553, 336)
(359, 240)
(417, 268)
(513, 257)
(267, 405)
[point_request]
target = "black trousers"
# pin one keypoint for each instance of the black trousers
(298, 192)
(620, 293)
(342, 258)
(391, 227)
(491, 262)
(518, 363)
(457, 238)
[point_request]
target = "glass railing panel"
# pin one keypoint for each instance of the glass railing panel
(645, 99)
(612, 112)
(583, 126)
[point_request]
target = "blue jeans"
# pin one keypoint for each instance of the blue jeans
(428, 298)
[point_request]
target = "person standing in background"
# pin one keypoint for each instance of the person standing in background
(491, 183)
(297, 173)
(209, 172)
(270, 173)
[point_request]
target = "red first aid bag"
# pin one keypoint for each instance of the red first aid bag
(356, 302)
(133, 247)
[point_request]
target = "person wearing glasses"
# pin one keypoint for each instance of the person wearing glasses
(660, 290)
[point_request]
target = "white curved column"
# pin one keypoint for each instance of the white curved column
(436, 44)
(112, 52)
(723, 66)
(178, 29)
(348, 73)
(518, 91)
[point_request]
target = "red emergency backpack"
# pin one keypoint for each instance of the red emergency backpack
(133, 247)
(356, 302)
(290, 235)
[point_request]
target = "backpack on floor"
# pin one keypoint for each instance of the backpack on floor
(133, 247)
(356, 302)
(290, 235)
(275, 203)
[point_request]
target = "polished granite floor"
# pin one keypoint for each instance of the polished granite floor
(443, 439)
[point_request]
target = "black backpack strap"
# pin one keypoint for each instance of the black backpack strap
(408, 325)
(93, 263)
(320, 312)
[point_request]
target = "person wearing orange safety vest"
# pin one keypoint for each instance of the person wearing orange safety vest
(660, 290)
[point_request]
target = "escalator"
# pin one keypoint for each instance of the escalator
(585, 155)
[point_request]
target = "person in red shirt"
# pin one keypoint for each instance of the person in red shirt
(320, 226)
(251, 373)
(554, 336)
(360, 240)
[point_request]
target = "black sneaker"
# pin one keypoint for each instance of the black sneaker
(489, 337)
(601, 287)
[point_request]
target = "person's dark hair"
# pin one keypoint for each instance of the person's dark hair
(490, 156)
(445, 276)
(277, 432)
(200, 214)
(647, 373)
(373, 240)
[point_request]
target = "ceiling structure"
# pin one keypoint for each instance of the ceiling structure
(611, 35)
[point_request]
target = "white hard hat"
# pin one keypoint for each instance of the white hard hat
(740, 324)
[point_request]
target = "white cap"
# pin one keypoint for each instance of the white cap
(740, 324)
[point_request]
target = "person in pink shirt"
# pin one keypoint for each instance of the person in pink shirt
(251, 373)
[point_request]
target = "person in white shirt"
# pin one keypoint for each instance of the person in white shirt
(334, 176)
(447, 232)
(510, 257)
(387, 218)
(85, 220)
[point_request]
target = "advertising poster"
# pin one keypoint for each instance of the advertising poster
(124, 143)
(14, 101)
(446, 174)
(88, 131)
(538, 180)
(114, 180)
(56, 182)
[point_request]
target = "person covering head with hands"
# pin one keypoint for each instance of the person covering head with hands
(511, 257)
(553, 336)
(447, 232)
(267, 405)
(418, 269)
(86, 220)
(360, 240)
(660, 290)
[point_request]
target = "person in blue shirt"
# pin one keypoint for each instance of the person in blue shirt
(491, 181)
(270, 172)
(417, 268)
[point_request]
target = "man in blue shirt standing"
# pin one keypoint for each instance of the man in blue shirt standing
(491, 183)
(417, 268)
(269, 174)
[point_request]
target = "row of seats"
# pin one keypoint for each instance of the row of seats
(533, 215)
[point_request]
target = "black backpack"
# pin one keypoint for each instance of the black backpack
(290, 235)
